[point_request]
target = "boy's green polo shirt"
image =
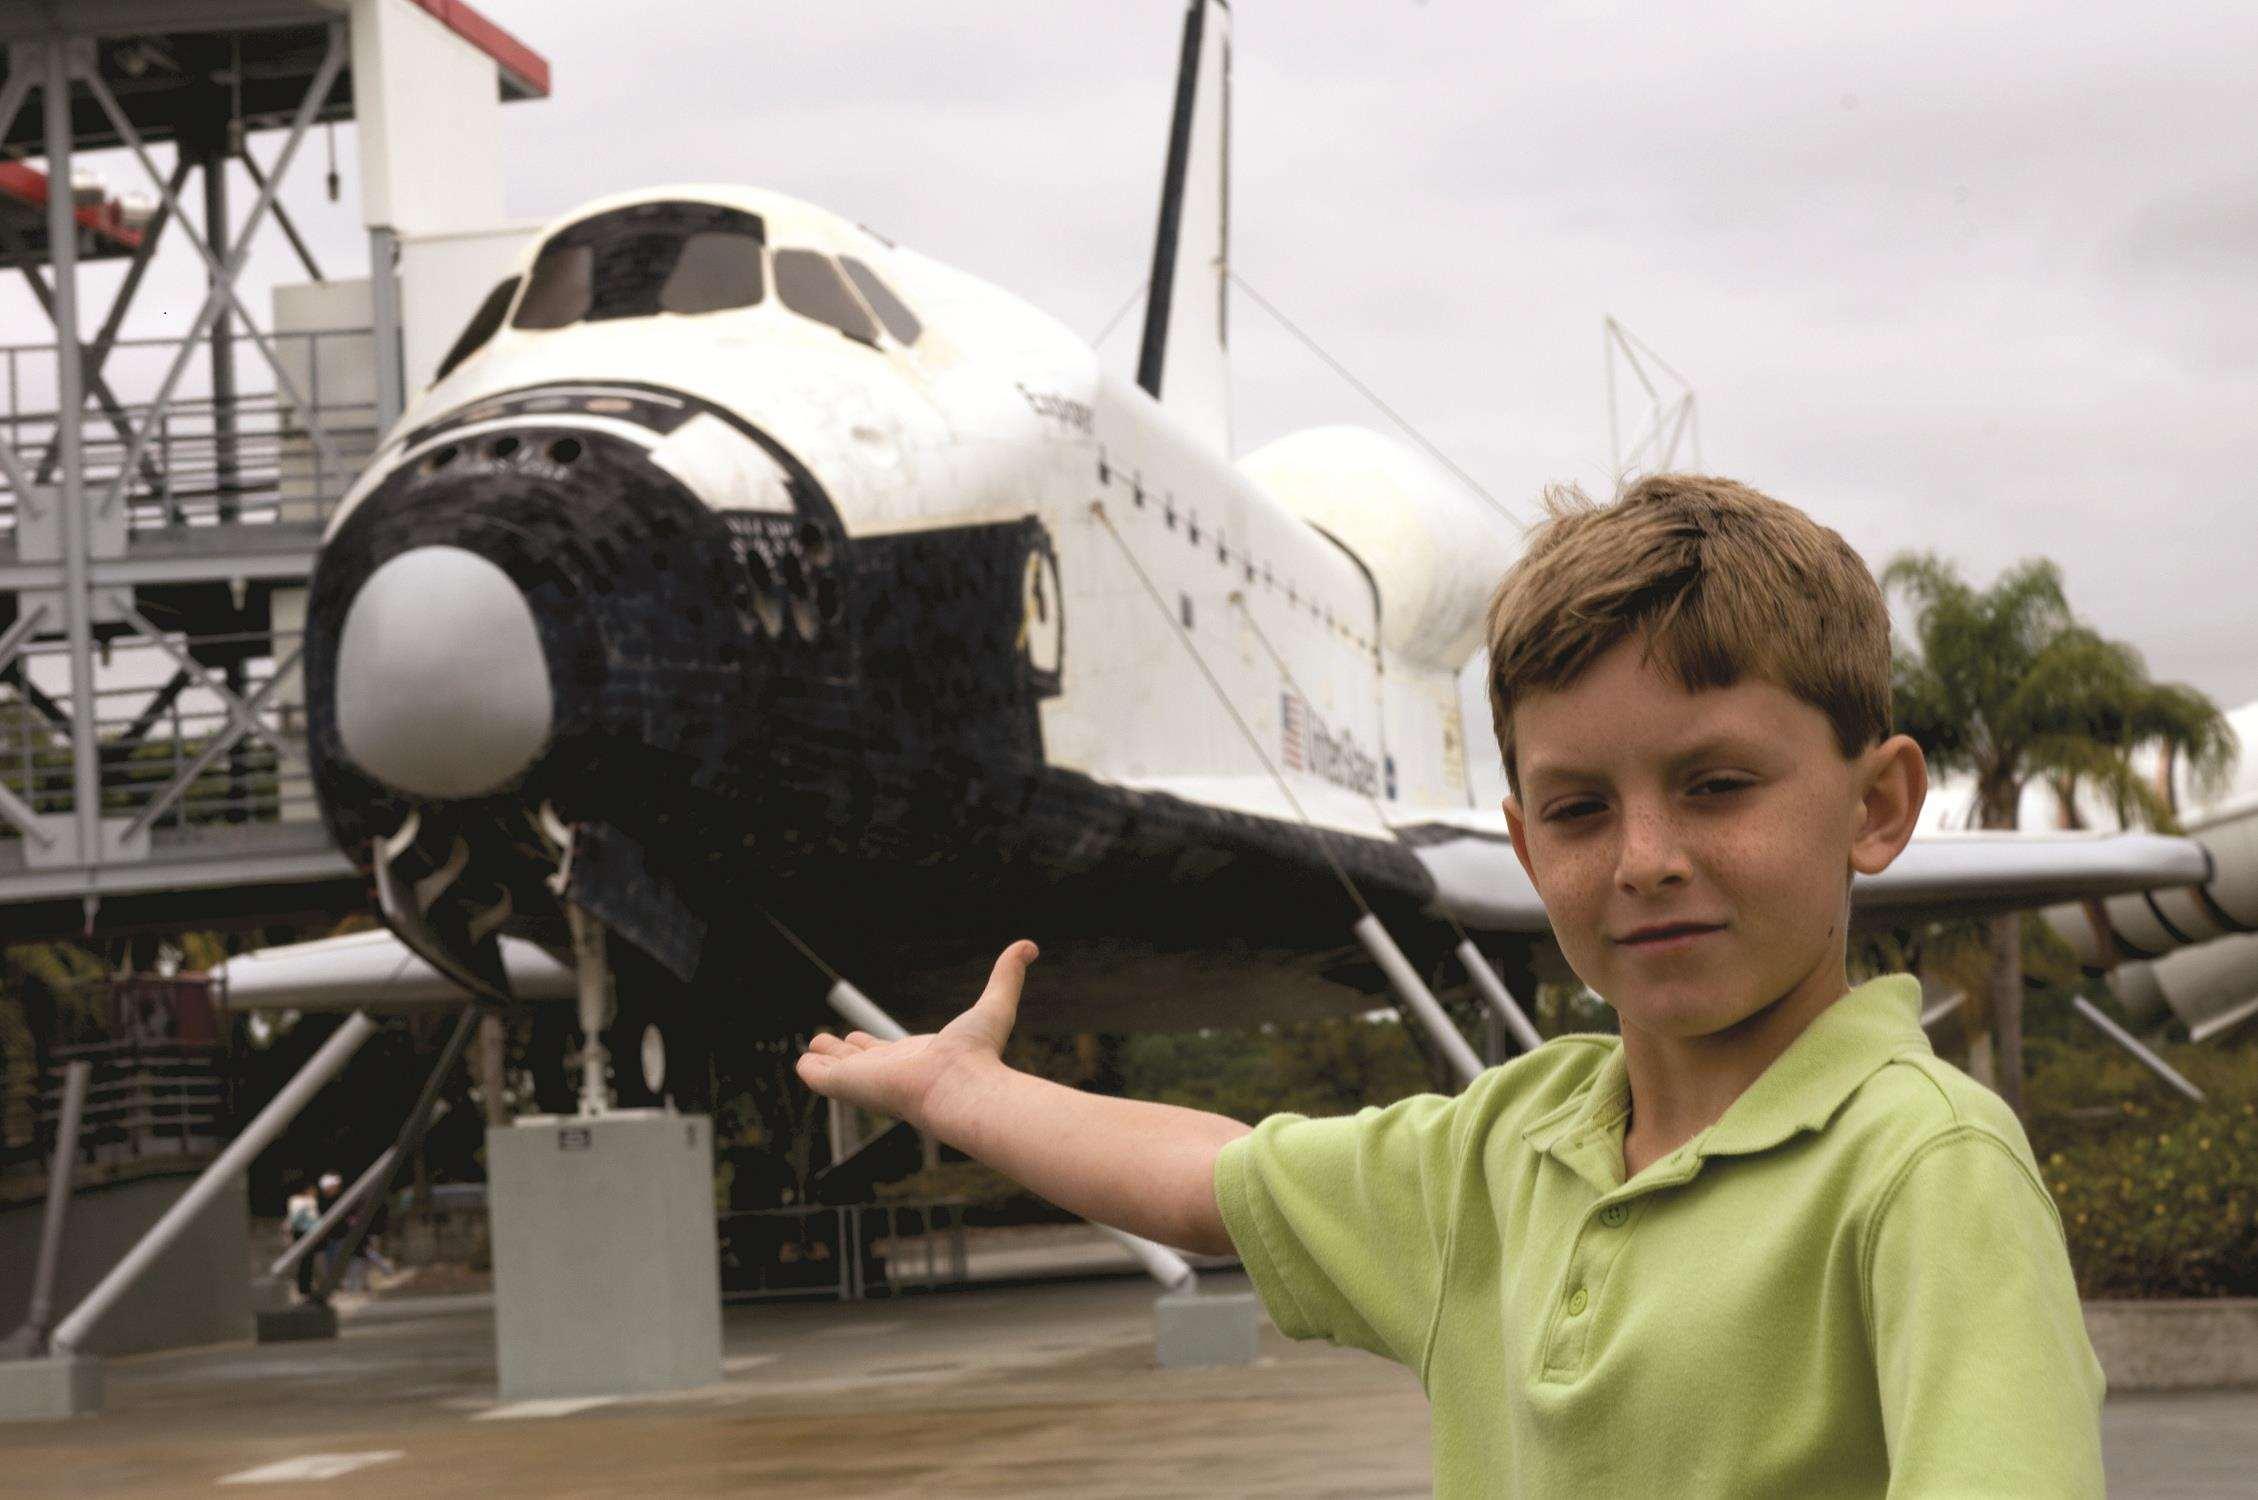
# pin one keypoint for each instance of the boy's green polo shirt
(1852, 1284)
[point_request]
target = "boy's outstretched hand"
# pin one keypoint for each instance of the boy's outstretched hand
(899, 1078)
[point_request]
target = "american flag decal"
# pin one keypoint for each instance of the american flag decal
(1311, 748)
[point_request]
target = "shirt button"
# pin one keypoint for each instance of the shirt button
(1614, 1214)
(1578, 1303)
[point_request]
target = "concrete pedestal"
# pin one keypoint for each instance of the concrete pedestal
(297, 1323)
(1197, 1330)
(45, 1390)
(606, 1273)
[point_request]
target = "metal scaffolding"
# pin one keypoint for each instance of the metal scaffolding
(161, 498)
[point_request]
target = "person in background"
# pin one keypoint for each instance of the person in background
(299, 1215)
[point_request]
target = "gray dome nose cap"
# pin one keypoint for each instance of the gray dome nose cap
(442, 686)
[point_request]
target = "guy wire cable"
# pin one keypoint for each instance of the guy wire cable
(1119, 313)
(1239, 600)
(1097, 508)
(1369, 929)
(1373, 396)
(806, 952)
(1478, 969)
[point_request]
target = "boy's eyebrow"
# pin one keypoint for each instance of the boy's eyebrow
(1723, 742)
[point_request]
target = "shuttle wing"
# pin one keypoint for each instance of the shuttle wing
(1979, 873)
(1479, 881)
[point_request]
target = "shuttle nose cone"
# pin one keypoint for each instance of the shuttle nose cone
(442, 686)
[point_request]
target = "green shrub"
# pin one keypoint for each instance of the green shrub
(2159, 1197)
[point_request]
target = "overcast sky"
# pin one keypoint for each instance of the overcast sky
(1972, 278)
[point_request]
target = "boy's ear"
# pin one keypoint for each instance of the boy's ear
(1892, 782)
(1519, 833)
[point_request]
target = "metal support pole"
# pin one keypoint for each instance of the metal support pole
(70, 400)
(106, 337)
(593, 970)
(24, 74)
(411, 1140)
(227, 470)
(842, 1132)
(2132, 1044)
(384, 310)
(1164, 1265)
(1417, 999)
(271, 1121)
(1492, 989)
(1497, 1047)
(493, 1082)
(121, 302)
(31, 1339)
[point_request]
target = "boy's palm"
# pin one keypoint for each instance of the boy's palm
(898, 1078)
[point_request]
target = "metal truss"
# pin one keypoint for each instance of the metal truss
(197, 780)
(224, 274)
(1671, 421)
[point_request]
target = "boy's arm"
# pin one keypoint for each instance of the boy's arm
(1146, 1168)
(1988, 1383)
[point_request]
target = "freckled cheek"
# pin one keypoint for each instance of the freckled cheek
(1773, 873)
(1574, 888)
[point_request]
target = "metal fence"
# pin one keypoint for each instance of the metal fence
(146, 1101)
(850, 1253)
(256, 457)
(174, 752)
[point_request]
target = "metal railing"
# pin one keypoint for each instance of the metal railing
(257, 458)
(849, 1254)
(146, 1101)
(170, 756)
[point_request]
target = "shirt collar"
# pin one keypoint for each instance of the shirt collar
(1801, 1090)
(1823, 1067)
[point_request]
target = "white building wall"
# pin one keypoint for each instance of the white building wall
(428, 108)
(443, 278)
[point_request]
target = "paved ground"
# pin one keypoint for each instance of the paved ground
(1031, 1390)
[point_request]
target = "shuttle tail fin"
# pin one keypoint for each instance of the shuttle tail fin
(1185, 362)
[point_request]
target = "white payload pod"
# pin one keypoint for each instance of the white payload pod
(2148, 926)
(1433, 549)
(2210, 987)
(2164, 920)
(373, 971)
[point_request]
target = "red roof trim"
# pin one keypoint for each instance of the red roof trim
(520, 64)
(28, 185)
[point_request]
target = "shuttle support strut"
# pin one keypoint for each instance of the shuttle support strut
(861, 1012)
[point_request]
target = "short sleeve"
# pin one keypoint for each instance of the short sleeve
(1344, 1223)
(1989, 1385)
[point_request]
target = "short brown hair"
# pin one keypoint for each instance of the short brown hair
(1722, 581)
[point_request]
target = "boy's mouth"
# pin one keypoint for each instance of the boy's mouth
(1667, 935)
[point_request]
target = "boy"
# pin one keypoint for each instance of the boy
(1764, 1243)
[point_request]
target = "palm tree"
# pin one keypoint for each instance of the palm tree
(2006, 686)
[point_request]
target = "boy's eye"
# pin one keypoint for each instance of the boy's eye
(1582, 807)
(1714, 786)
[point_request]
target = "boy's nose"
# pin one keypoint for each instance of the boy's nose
(1651, 857)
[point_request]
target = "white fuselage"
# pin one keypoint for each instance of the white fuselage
(996, 412)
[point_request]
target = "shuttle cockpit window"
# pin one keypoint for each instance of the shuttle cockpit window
(810, 285)
(891, 310)
(671, 257)
(482, 326)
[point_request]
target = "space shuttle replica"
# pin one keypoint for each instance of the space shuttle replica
(751, 599)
